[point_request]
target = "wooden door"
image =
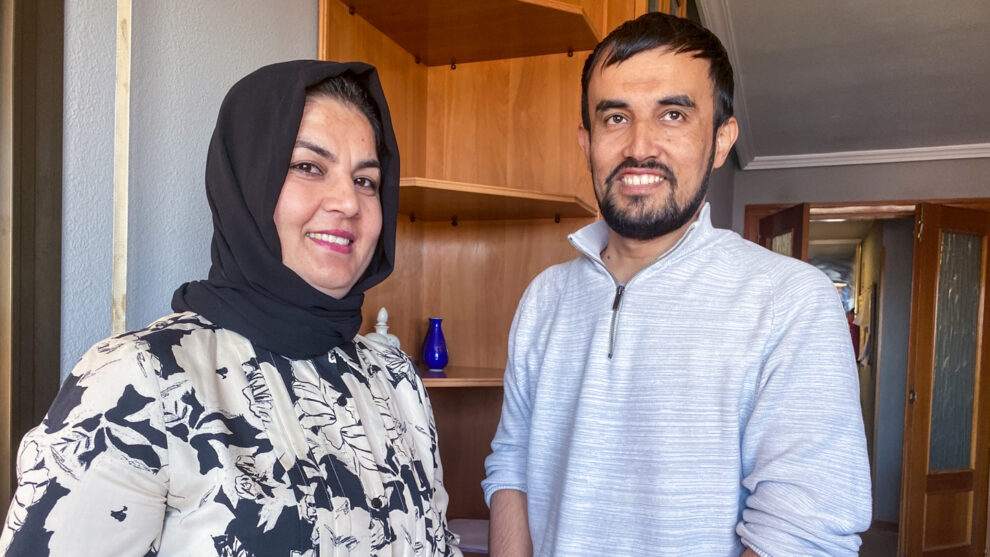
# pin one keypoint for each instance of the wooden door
(786, 232)
(947, 418)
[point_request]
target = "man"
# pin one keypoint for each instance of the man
(675, 390)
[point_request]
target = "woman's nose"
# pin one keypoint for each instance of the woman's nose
(340, 195)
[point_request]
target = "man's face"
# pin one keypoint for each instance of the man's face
(651, 147)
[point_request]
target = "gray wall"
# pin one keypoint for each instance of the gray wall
(185, 55)
(867, 182)
(720, 194)
(895, 307)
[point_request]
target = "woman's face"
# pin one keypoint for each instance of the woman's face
(328, 215)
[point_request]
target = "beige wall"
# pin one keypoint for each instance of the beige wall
(869, 279)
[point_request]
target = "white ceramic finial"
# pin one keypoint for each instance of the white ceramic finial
(381, 330)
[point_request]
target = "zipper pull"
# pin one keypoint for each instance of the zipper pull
(618, 296)
(615, 318)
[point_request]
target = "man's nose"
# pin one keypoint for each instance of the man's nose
(643, 142)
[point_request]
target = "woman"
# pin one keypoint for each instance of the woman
(254, 422)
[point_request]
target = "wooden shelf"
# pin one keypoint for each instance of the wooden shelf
(440, 200)
(468, 377)
(440, 32)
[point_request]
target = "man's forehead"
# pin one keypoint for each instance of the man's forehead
(660, 67)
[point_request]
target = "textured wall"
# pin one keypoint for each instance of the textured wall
(185, 55)
(87, 167)
(867, 182)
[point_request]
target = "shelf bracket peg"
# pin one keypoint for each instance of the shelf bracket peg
(453, 220)
(556, 218)
(417, 60)
(453, 64)
(350, 10)
(412, 217)
(570, 52)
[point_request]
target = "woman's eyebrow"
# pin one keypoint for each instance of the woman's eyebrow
(316, 149)
(368, 163)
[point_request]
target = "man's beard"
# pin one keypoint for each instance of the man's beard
(636, 222)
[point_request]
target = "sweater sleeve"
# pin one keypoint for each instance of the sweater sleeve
(804, 458)
(95, 468)
(506, 465)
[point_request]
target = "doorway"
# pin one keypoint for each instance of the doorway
(945, 401)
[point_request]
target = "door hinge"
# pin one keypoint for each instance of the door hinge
(912, 396)
(921, 227)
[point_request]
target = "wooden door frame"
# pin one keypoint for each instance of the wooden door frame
(32, 49)
(852, 210)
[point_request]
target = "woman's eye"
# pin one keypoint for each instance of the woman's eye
(307, 168)
(366, 184)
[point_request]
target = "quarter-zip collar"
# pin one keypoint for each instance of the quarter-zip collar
(592, 240)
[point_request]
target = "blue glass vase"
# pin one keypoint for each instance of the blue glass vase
(435, 349)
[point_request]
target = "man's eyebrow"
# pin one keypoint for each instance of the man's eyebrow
(316, 149)
(609, 104)
(677, 100)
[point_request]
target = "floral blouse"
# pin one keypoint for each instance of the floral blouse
(185, 439)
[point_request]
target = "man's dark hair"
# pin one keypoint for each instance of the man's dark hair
(656, 30)
(346, 89)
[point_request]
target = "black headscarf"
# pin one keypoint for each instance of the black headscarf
(249, 290)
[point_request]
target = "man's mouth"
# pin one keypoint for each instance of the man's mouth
(641, 179)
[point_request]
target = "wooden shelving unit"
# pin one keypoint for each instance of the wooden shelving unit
(490, 145)
(441, 32)
(441, 200)
(466, 377)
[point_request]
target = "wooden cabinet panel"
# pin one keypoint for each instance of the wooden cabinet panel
(345, 37)
(471, 275)
(510, 123)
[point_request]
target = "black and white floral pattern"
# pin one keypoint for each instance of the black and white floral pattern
(185, 439)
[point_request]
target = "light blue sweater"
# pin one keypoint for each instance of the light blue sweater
(728, 413)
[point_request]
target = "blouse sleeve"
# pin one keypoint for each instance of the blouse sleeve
(92, 477)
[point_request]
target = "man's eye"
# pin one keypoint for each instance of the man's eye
(615, 119)
(674, 115)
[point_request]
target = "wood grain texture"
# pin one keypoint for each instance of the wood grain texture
(466, 421)
(6, 250)
(346, 37)
(440, 200)
(509, 123)
(445, 31)
(934, 507)
(35, 203)
(472, 276)
(948, 520)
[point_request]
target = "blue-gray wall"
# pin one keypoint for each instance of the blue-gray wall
(895, 306)
(185, 55)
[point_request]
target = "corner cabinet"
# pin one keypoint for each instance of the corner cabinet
(485, 102)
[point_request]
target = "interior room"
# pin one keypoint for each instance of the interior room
(871, 114)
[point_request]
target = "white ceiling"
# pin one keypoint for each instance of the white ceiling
(857, 81)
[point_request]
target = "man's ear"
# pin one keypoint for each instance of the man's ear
(725, 138)
(584, 140)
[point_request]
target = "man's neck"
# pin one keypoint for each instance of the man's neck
(624, 257)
